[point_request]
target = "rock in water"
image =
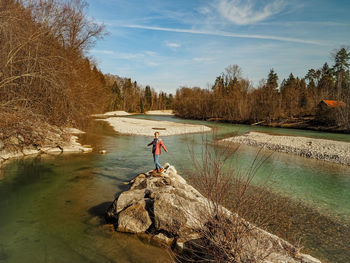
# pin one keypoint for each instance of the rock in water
(134, 218)
(174, 213)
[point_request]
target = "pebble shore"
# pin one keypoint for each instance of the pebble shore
(320, 149)
(143, 127)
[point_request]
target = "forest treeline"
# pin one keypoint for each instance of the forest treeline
(129, 96)
(46, 75)
(232, 97)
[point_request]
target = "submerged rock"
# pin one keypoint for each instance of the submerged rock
(174, 214)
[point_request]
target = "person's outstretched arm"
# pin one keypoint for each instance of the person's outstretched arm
(150, 143)
(162, 144)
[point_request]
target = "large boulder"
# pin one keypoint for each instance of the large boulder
(174, 213)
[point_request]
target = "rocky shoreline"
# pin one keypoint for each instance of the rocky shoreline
(55, 141)
(320, 149)
(170, 211)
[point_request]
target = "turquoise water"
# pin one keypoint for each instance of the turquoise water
(51, 207)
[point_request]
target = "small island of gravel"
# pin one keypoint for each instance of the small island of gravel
(143, 127)
(321, 149)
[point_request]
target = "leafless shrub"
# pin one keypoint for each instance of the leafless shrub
(227, 236)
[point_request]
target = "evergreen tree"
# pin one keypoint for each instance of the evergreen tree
(341, 69)
(117, 98)
(272, 80)
(148, 97)
(141, 106)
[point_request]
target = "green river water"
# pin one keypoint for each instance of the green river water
(52, 207)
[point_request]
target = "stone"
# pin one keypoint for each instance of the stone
(163, 239)
(134, 219)
(20, 137)
(30, 151)
(2, 145)
(128, 198)
(14, 140)
(172, 212)
(5, 154)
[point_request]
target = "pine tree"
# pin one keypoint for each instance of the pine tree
(341, 69)
(148, 97)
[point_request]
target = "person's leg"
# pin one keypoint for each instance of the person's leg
(156, 161)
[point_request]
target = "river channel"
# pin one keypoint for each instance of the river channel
(52, 207)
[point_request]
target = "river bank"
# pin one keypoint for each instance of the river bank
(305, 123)
(52, 141)
(132, 126)
(320, 149)
(300, 123)
(160, 112)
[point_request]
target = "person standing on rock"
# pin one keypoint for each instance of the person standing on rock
(157, 143)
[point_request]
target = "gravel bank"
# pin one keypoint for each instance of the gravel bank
(321, 149)
(148, 127)
(112, 114)
(160, 112)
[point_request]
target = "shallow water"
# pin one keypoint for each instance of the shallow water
(51, 207)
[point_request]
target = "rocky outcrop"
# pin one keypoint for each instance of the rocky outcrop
(173, 213)
(54, 141)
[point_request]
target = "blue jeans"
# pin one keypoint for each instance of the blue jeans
(156, 161)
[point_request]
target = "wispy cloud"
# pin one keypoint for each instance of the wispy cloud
(152, 64)
(119, 55)
(226, 34)
(172, 45)
(105, 52)
(202, 59)
(247, 12)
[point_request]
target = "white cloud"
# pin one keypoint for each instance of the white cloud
(227, 34)
(246, 12)
(172, 45)
(152, 64)
(106, 52)
(204, 10)
(151, 53)
(202, 59)
(119, 55)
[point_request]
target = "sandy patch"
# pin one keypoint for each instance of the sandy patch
(160, 112)
(112, 114)
(321, 149)
(148, 127)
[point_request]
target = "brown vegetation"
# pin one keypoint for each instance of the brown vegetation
(230, 238)
(129, 96)
(44, 75)
(232, 98)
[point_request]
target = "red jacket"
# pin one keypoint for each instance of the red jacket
(157, 144)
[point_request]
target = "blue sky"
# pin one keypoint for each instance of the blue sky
(167, 44)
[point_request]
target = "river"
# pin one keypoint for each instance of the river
(51, 207)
